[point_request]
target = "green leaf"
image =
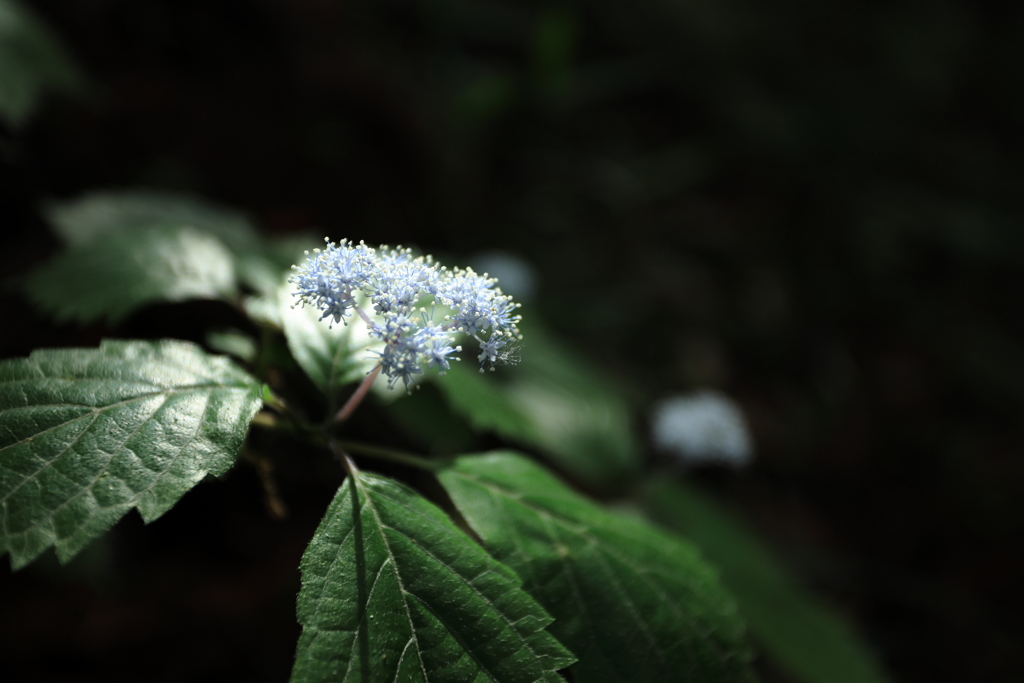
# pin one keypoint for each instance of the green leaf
(110, 278)
(232, 342)
(633, 603)
(555, 402)
(809, 641)
(393, 591)
(31, 62)
(264, 310)
(87, 434)
(105, 214)
(485, 403)
(332, 356)
(102, 215)
(580, 417)
(424, 416)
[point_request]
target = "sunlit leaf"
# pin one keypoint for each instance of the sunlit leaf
(129, 270)
(88, 434)
(108, 213)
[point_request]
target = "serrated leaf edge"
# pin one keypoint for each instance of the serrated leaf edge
(391, 559)
(573, 526)
(148, 512)
(366, 492)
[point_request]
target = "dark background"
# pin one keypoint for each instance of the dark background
(815, 207)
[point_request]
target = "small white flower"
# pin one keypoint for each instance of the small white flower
(702, 427)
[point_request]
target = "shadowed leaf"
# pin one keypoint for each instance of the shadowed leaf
(393, 591)
(31, 62)
(810, 642)
(633, 603)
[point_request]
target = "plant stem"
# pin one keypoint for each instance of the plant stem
(268, 420)
(357, 397)
(390, 455)
(274, 401)
(342, 456)
(366, 318)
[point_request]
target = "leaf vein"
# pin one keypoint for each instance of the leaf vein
(181, 450)
(82, 489)
(398, 576)
(401, 658)
(473, 588)
(584, 532)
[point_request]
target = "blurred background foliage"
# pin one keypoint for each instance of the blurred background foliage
(815, 208)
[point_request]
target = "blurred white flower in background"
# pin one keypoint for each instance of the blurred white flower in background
(703, 427)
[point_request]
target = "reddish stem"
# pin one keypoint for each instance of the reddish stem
(357, 397)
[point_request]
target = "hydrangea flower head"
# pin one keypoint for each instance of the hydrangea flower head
(702, 427)
(404, 291)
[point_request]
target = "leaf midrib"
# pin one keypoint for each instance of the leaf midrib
(463, 579)
(466, 582)
(391, 557)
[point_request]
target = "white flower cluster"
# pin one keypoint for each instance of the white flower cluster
(702, 427)
(404, 291)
